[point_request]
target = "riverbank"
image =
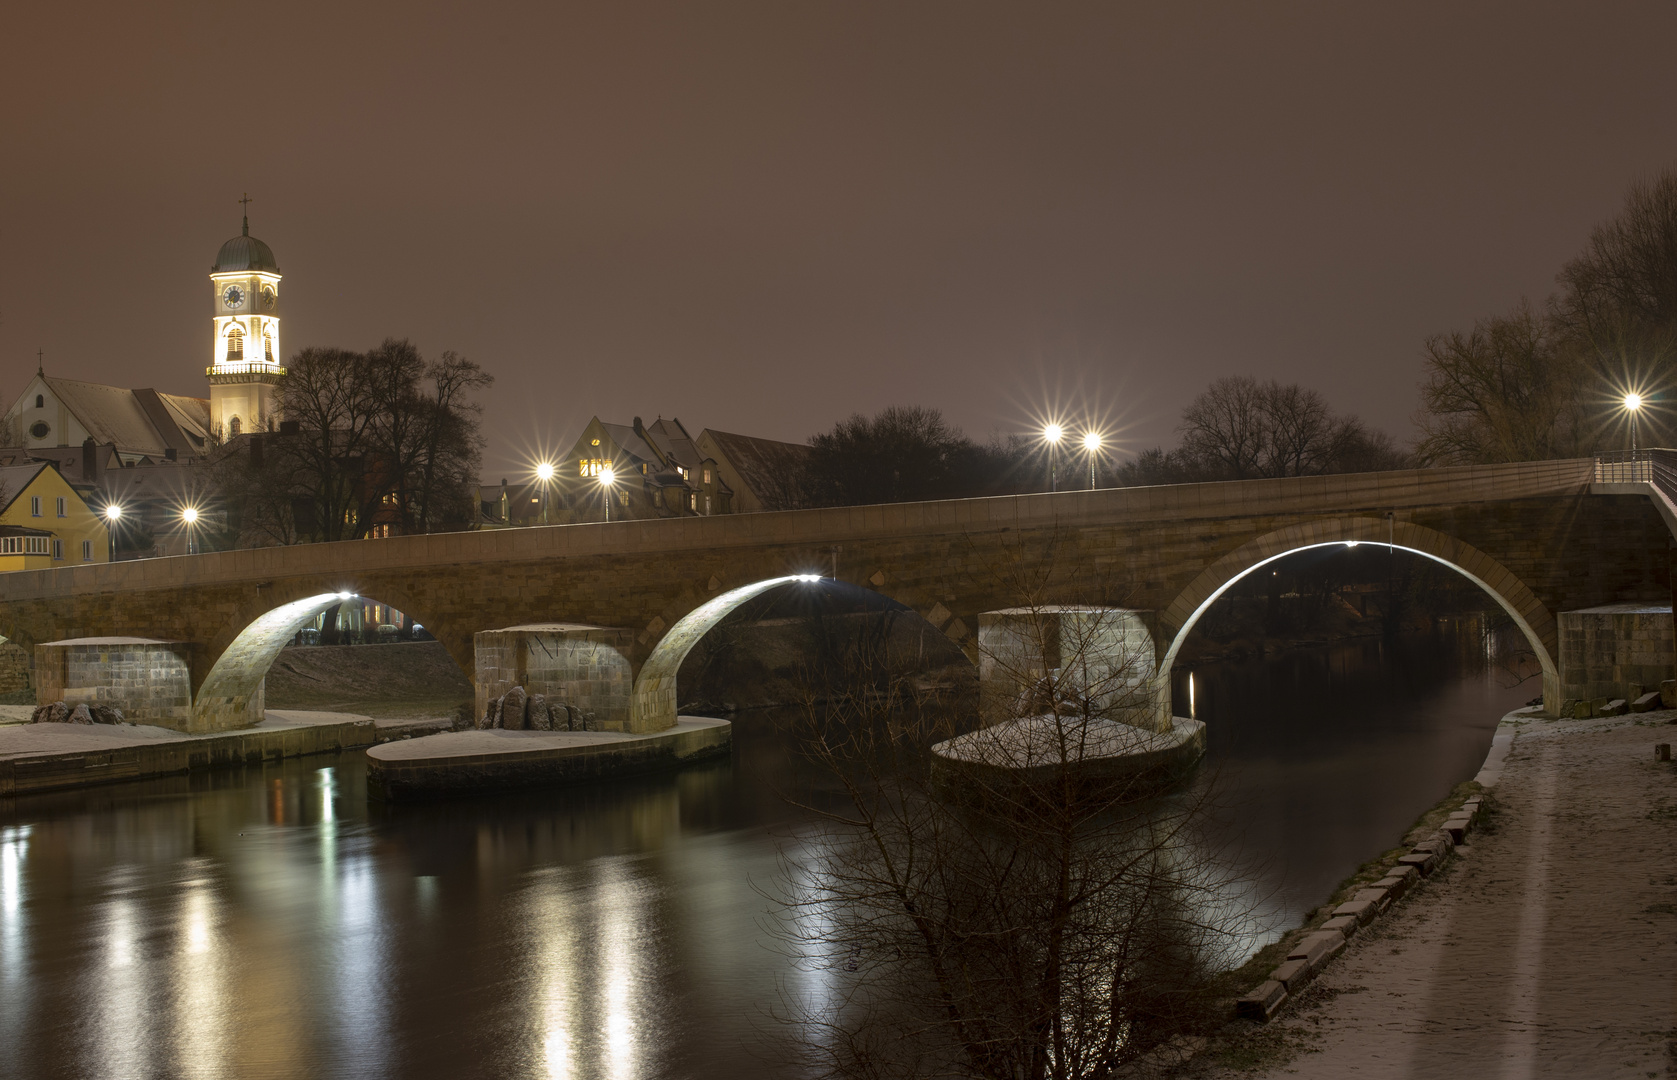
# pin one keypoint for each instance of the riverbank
(1546, 947)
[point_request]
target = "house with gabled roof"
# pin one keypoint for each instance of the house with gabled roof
(44, 521)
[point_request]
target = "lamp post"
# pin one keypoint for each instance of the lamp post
(189, 517)
(113, 514)
(1092, 443)
(544, 474)
(1052, 434)
(1633, 405)
(607, 478)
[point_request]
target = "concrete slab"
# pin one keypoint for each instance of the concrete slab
(1343, 925)
(1293, 975)
(52, 757)
(1261, 1003)
(474, 762)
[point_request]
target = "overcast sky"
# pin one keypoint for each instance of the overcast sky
(763, 217)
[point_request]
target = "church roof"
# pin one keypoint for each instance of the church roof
(136, 421)
(245, 252)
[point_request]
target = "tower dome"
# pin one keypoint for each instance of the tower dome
(245, 252)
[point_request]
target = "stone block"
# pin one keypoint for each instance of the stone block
(1343, 925)
(1614, 707)
(1395, 886)
(1262, 1002)
(1434, 846)
(1424, 863)
(1668, 693)
(1363, 911)
(1318, 947)
(1292, 974)
(1375, 895)
(1457, 827)
(1645, 703)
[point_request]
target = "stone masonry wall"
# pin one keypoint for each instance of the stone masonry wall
(14, 669)
(1615, 651)
(580, 666)
(1103, 654)
(148, 680)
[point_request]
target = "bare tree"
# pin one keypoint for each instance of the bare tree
(1240, 429)
(1007, 908)
(1508, 390)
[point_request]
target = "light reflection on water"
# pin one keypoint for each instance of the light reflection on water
(272, 923)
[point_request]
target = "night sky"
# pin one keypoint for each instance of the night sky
(763, 217)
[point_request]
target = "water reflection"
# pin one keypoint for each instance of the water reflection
(272, 923)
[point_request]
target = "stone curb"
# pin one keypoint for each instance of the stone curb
(1318, 948)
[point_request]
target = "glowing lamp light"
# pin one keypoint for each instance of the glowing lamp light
(808, 577)
(544, 471)
(112, 512)
(346, 596)
(190, 515)
(1633, 402)
(1091, 441)
(1053, 432)
(608, 476)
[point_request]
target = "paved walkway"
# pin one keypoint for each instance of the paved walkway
(1548, 948)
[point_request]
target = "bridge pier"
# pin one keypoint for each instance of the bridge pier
(576, 664)
(1611, 651)
(149, 680)
(1099, 656)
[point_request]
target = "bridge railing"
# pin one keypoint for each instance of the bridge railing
(1656, 467)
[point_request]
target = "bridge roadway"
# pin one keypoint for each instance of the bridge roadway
(1538, 537)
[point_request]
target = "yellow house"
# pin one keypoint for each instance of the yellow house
(44, 523)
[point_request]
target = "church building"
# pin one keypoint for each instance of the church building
(146, 425)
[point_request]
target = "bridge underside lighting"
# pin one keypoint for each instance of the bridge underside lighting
(1352, 543)
(346, 596)
(808, 577)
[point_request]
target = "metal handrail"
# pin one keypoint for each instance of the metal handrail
(246, 367)
(1657, 467)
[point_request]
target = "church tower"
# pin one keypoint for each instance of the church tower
(246, 349)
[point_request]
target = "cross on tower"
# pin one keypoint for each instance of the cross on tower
(40, 362)
(245, 203)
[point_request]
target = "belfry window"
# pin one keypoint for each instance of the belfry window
(40, 401)
(268, 346)
(233, 427)
(235, 345)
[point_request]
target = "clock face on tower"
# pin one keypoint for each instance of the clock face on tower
(268, 297)
(233, 297)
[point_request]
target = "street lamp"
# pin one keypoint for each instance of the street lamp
(1052, 434)
(1092, 443)
(607, 478)
(1633, 405)
(544, 473)
(113, 514)
(190, 517)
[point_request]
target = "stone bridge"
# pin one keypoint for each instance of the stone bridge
(1538, 537)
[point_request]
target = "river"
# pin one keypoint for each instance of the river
(272, 922)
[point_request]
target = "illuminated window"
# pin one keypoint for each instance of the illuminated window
(23, 545)
(707, 476)
(592, 466)
(594, 442)
(692, 502)
(235, 345)
(623, 497)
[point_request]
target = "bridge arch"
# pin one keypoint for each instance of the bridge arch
(1515, 598)
(230, 695)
